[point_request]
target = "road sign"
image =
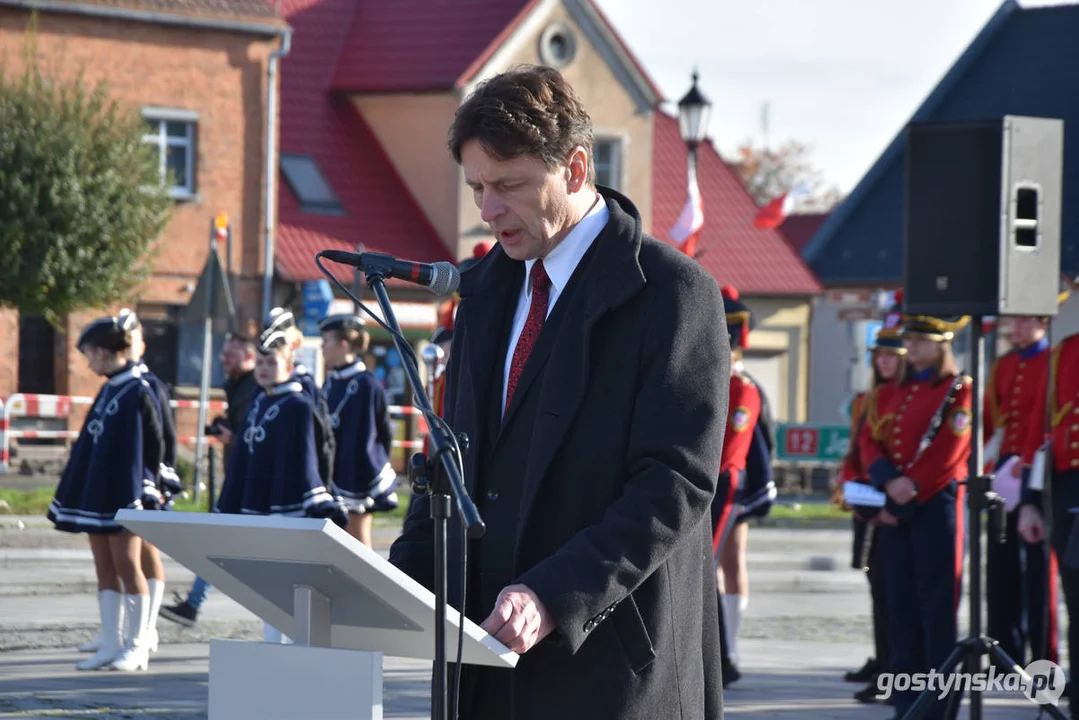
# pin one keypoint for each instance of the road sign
(317, 296)
(812, 442)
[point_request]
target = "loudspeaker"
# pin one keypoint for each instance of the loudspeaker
(982, 217)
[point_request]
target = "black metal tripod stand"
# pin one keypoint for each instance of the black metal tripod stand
(969, 650)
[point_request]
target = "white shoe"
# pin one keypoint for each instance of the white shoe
(136, 652)
(157, 594)
(110, 604)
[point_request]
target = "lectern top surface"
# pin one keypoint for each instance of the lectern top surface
(259, 560)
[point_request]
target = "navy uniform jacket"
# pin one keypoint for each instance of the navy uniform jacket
(274, 468)
(119, 445)
(360, 417)
(163, 483)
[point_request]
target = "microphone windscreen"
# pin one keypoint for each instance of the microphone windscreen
(446, 278)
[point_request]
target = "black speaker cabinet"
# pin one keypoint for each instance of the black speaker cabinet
(982, 217)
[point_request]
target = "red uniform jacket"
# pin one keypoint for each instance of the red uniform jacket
(1063, 409)
(1015, 380)
(742, 415)
(895, 426)
(852, 464)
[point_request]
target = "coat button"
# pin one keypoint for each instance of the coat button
(492, 494)
(588, 626)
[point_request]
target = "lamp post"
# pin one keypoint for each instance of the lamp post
(694, 110)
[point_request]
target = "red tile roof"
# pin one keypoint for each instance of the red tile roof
(420, 45)
(379, 210)
(756, 261)
(800, 229)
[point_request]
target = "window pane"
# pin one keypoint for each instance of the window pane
(176, 163)
(606, 159)
(177, 129)
(307, 182)
(603, 152)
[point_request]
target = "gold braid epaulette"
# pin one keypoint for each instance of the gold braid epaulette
(1055, 416)
(872, 415)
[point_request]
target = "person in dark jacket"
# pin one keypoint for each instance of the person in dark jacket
(591, 374)
(238, 359)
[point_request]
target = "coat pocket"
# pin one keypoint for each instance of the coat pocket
(633, 634)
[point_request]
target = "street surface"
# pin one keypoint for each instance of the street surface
(807, 622)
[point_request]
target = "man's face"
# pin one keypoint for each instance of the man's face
(1027, 330)
(233, 358)
(526, 205)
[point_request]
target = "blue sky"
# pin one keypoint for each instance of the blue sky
(841, 75)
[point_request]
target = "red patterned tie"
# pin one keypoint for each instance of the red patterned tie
(537, 313)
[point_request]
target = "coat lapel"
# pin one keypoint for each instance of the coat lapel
(611, 277)
(486, 292)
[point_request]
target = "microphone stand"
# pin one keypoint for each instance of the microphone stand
(439, 482)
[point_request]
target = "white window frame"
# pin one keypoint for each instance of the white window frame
(619, 142)
(162, 141)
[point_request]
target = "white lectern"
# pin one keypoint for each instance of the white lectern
(340, 602)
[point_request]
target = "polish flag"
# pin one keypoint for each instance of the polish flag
(688, 226)
(774, 213)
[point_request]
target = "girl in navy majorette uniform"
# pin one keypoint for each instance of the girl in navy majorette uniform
(158, 487)
(119, 445)
(360, 418)
(274, 466)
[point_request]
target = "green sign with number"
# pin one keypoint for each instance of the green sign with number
(812, 442)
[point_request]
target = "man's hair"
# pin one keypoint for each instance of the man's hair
(244, 341)
(530, 110)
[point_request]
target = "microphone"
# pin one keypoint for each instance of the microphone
(441, 278)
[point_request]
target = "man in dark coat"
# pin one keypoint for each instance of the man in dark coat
(595, 398)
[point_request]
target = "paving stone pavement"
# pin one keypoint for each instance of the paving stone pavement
(806, 624)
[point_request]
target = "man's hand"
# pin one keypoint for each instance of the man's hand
(224, 435)
(886, 518)
(901, 489)
(519, 620)
(1031, 526)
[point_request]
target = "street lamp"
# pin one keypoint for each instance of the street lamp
(694, 110)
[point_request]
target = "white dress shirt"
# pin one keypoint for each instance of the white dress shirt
(560, 264)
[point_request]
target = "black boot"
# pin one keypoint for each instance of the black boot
(866, 673)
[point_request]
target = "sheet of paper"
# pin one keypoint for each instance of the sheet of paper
(856, 493)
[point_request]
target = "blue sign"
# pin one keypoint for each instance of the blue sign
(317, 297)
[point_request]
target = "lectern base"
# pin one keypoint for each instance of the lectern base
(259, 681)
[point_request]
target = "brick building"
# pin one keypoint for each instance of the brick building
(198, 72)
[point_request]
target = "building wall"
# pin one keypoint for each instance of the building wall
(612, 109)
(221, 77)
(781, 335)
(412, 129)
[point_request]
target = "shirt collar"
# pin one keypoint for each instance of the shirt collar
(563, 260)
(1033, 349)
(923, 375)
(125, 373)
(285, 387)
(346, 371)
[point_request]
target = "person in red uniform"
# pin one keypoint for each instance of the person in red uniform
(743, 411)
(915, 444)
(1018, 578)
(1054, 433)
(888, 364)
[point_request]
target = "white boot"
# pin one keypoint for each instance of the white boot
(157, 594)
(111, 606)
(136, 653)
(734, 606)
(95, 644)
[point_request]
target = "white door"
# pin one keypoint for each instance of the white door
(768, 371)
